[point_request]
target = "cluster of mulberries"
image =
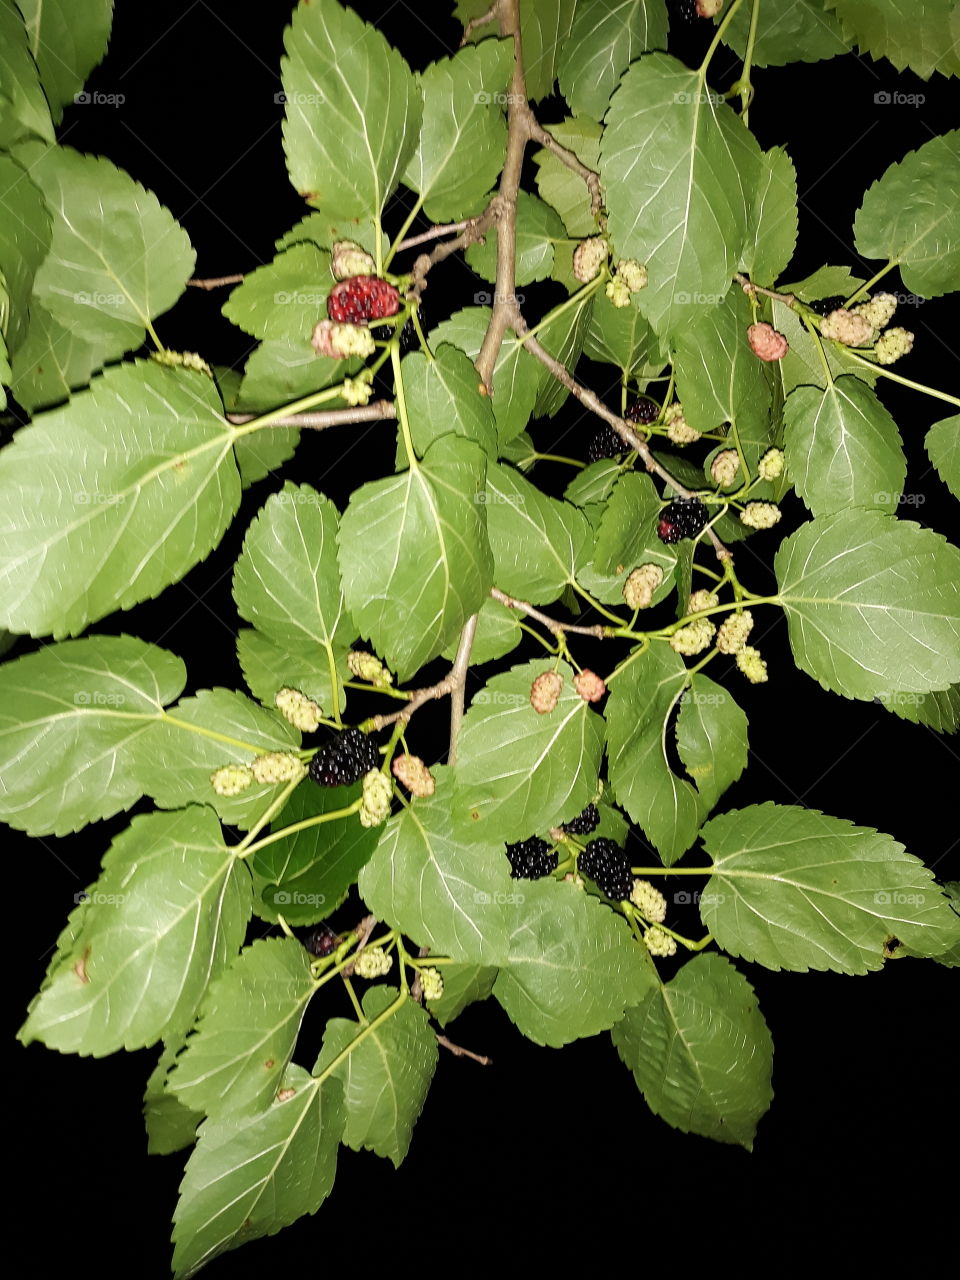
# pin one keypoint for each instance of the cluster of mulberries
(749, 661)
(365, 666)
(849, 327)
(641, 585)
(372, 962)
(649, 901)
(302, 712)
(605, 443)
(182, 360)
(414, 774)
(682, 518)
(545, 692)
(659, 943)
(630, 277)
(693, 638)
(531, 859)
(734, 631)
(608, 867)
(725, 468)
(583, 823)
(377, 795)
(431, 983)
(770, 466)
(345, 759)
(760, 515)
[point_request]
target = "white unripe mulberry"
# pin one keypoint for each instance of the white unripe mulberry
(641, 585)
(751, 664)
(760, 515)
(372, 962)
(588, 257)
(659, 943)
(693, 638)
(302, 712)
(649, 901)
(733, 632)
(725, 468)
(771, 465)
(231, 779)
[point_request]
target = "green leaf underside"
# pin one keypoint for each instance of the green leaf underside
(463, 985)
(234, 1061)
(287, 583)
(842, 448)
(305, 876)
(912, 214)
(572, 966)
(793, 888)
(73, 718)
(719, 379)
(285, 298)
(544, 29)
(919, 34)
(385, 1076)
(268, 666)
(939, 710)
(249, 1177)
(789, 31)
(558, 185)
(414, 555)
(711, 738)
(67, 39)
(353, 111)
(773, 237)
(700, 1051)
(604, 40)
(447, 891)
(24, 243)
(689, 220)
(443, 397)
(24, 108)
(498, 631)
(284, 369)
(167, 914)
(110, 499)
(539, 229)
(519, 770)
(51, 361)
(872, 603)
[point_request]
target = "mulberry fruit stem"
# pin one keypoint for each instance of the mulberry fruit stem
(868, 285)
(248, 845)
(402, 404)
(369, 1029)
(276, 804)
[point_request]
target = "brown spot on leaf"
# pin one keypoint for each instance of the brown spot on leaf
(80, 968)
(284, 1095)
(891, 946)
(474, 815)
(269, 1063)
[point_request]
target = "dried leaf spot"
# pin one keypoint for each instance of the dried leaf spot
(269, 1063)
(284, 1095)
(80, 968)
(891, 946)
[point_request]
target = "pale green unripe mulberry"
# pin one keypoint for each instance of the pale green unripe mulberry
(751, 664)
(641, 585)
(349, 259)
(618, 291)
(588, 257)
(633, 274)
(302, 712)
(338, 341)
(276, 766)
(760, 515)
(182, 360)
(431, 983)
(725, 468)
(649, 901)
(771, 465)
(701, 600)
(848, 327)
(377, 795)
(231, 779)
(879, 310)
(659, 943)
(365, 666)
(693, 638)
(372, 962)
(357, 391)
(678, 429)
(734, 631)
(892, 345)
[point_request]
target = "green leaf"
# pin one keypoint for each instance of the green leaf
(912, 215)
(687, 220)
(711, 738)
(919, 34)
(105, 276)
(285, 369)
(563, 337)
(627, 524)
(622, 336)
(642, 700)
(463, 985)
(73, 718)
(261, 453)
(414, 554)
(594, 484)
(285, 298)
(227, 729)
(113, 497)
(251, 1176)
(793, 888)
(773, 232)
(447, 891)
(170, 1125)
(825, 282)
(939, 710)
(166, 916)
(67, 38)
(51, 362)
(604, 39)
(843, 448)
(872, 603)
(498, 631)
(558, 185)
(701, 1052)
(287, 583)
(544, 30)
(719, 379)
(519, 770)
(249, 1022)
(24, 243)
(268, 666)
(385, 1068)
(788, 31)
(443, 397)
(353, 111)
(462, 139)
(943, 449)
(538, 542)
(304, 876)
(23, 108)
(802, 365)
(324, 231)
(517, 376)
(538, 230)
(572, 967)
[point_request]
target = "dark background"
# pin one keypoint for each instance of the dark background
(544, 1155)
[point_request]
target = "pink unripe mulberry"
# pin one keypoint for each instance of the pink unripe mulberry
(766, 342)
(589, 685)
(545, 691)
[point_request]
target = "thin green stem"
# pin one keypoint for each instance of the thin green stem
(402, 233)
(575, 300)
(865, 288)
(276, 804)
(595, 604)
(209, 733)
(402, 405)
(638, 652)
(425, 346)
(153, 335)
(746, 85)
(358, 1009)
(715, 42)
(817, 342)
(370, 1027)
(556, 457)
(294, 827)
(905, 382)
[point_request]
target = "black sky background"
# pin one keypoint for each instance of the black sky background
(546, 1155)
